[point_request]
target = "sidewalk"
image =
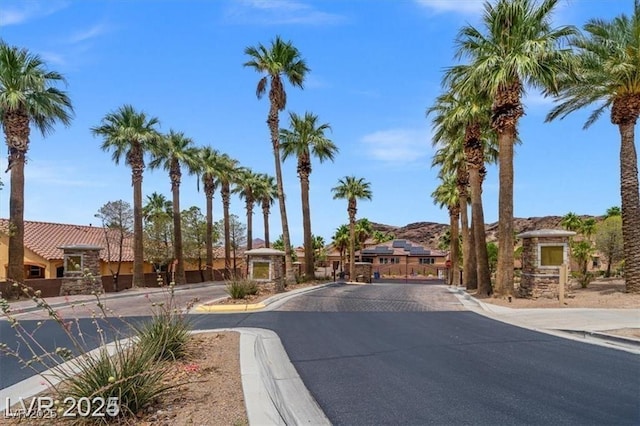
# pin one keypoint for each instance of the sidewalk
(582, 324)
(28, 305)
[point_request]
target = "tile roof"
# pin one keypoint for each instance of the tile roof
(401, 248)
(44, 238)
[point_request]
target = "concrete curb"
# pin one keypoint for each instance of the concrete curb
(273, 391)
(500, 313)
(271, 303)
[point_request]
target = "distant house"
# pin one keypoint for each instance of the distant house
(402, 258)
(43, 257)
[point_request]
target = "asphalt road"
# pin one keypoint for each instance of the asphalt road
(409, 354)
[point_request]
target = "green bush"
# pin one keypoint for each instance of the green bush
(166, 335)
(241, 289)
(131, 376)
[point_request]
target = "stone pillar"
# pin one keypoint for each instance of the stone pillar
(363, 272)
(81, 270)
(265, 264)
(543, 253)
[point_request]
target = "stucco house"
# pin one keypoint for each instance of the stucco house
(44, 258)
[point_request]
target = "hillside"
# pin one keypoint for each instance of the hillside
(428, 233)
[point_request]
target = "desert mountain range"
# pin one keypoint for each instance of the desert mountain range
(428, 233)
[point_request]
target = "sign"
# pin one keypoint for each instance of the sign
(448, 263)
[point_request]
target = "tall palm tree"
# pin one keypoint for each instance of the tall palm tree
(157, 207)
(446, 195)
(247, 187)
(305, 139)
(267, 192)
(171, 153)
(608, 73)
(208, 166)
(352, 189)
(227, 175)
(28, 96)
(129, 134)
(449, 134)
(518, 48)
(280, 60)
(467, 115)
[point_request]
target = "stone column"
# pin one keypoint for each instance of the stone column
(543, 253)
(81, 270)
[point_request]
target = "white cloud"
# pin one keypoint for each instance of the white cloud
(95, 31)
(397, 146)
(27, 10)
(457, 6)
(279, 12)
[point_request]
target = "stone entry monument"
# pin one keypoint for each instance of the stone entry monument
(545, 255)
(265, 264)
(81, 270)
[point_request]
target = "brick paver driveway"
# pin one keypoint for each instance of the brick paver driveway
(378, 297)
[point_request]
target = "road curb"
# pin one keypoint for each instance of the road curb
(271, 303)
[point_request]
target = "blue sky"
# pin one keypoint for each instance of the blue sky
(376, 66)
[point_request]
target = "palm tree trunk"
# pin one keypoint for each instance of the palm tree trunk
(455, 247)
(15, 271)
(504, 278)
(468, 275)
(630, 206)
(180, 277)
(224, 191)
(138, 250)
(480, 239)
(249, 207)
(265, 218)
(352, 245)
(273, 123)
(209, 236)
(309, 265)
(473, 261)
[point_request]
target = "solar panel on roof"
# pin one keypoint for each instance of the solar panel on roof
(398, 243)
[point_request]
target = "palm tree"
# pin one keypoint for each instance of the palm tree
(28, 96)
(304, 140)
(129, 134)
(449, 132)
(364, 230)
(341, 242)
(171, 153)
(608, 73)
(571, 222)
(518, 47)
(382, 237)
(157, 213)
(282, 59)
(227, 175)
(351, 189)
(466, 116)
(208, 166)
(446, 195)
(247, 187)
(267, 191)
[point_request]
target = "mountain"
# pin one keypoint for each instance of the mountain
(428, 233)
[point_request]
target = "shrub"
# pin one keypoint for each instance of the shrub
(239, 289)
(166, 336)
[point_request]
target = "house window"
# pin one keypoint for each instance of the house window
(35, 272)
(384, 260)
(395, 260)
(427, 261)
(73, 263)
(367, 259)
(551, 255)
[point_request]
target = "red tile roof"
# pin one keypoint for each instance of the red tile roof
(44, 238)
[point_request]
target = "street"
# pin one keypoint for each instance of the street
(410, 354)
